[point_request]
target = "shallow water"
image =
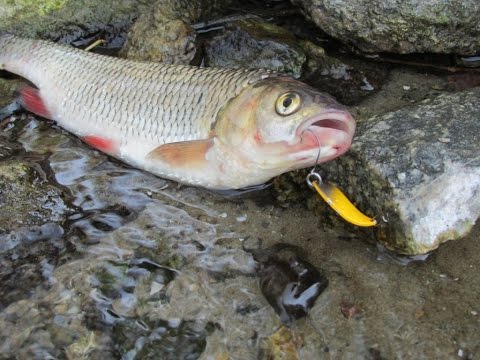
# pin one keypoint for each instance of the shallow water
(142, 267)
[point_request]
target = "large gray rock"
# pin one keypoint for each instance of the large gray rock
(436, 26)
(419, 168)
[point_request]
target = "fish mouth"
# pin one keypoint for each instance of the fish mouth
(324, 136)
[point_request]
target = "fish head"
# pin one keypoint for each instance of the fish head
(282, 124)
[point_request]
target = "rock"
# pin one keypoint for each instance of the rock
(290, 284)
(254, 43)
(400, 26)
(186, 340)
(27, 198)
(30, 236)
(419, 168)
(348, 79)
(164, 34)
(66, 20)
(284, 344)
(7, 90)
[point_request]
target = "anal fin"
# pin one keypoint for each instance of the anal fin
(103, 144)
(31, 100)
(191, 154)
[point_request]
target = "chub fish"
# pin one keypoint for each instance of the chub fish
(214, 128)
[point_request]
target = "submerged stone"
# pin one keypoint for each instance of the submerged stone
(418, 169)
(284, 344)
(7, 92)
(27, 197)
(290, 284)
(161, 340)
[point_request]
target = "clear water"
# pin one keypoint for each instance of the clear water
(135, 267)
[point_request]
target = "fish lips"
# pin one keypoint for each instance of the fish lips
(324, 136)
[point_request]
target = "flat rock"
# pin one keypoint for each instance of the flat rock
(419, 168)
(434, 26)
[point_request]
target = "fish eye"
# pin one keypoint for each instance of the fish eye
(288, 103)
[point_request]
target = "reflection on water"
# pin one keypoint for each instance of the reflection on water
(131, 239)
(136, 267)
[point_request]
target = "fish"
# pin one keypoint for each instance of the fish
(214, 128)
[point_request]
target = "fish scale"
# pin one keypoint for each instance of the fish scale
(216, 128)
(139, 92)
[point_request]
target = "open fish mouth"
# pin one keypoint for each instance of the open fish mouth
(329, 133)
(332, 124)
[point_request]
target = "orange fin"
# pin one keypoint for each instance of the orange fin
(184, 153)
(31, 100)
(103, 144)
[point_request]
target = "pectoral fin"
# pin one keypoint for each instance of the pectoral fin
(191, 154)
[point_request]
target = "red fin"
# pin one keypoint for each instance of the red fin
(184, 153)
(32, 101)
(106, 145)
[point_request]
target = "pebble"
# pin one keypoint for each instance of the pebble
(241, 218)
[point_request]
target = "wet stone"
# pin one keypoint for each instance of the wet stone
(254, 43)
(290, 284)
(7, 90)
(29, 264)
(160, 340)
(401, 167)
(282, 345)
(31, 235)
(7, 147)
(28, 198)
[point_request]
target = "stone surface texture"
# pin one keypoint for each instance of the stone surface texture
(398, 26)
(254, 43)
(164, 33)
(66, 20)
(419, 168)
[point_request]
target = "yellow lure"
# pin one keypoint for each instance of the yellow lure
(340, 203)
